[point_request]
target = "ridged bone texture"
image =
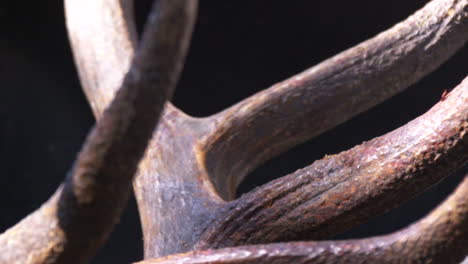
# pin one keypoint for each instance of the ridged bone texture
(204, 160)
(188, 175)
(76, 221)
(346, 189)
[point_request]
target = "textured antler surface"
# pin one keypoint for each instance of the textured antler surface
(188, 169)
(75, 222)
(332, 92)
(343, 190)
(440, 237)
(193, 161)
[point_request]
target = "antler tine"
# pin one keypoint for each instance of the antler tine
(332, 92)
(440, 237)
(346, 189)
(76, 220)
(103, 37)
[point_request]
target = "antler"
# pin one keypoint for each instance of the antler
(103, 36)
(332, 92)
(349, 188)
(184, 177)
(77, 219)
(192, 166)
(440, 237)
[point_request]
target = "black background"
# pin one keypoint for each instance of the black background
(239, 47)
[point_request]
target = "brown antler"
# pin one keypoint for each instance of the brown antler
(193, 161)
(440, 237)
(104, 38)
(193, 166)
(346, 189)
(75, 222)
(332, 92)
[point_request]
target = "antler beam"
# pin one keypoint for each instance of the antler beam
(332, 92)
(188, 175)
(75, 222)
(440, 237)
(103, 37)
(343, 190)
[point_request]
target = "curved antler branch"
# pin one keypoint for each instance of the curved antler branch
(75, 222)
(332, 92)
(440, 237)
(103, 37)
(346, 189)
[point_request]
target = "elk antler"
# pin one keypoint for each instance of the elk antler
(346, 189)
(187, 178)
(194, 165)
(440, 237)
(77, 219)
(332, 92)
(104, 38)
